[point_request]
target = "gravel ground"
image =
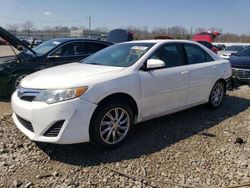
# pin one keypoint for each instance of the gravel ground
(193, 147)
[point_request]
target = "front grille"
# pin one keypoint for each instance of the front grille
(27, 94)
(25, 123)
(241, 73)
(27, 98)
(54, 130)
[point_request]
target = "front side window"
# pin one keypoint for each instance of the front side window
(170, 54)
(244, 53)
(195, 54)
(119, 55)
(70, 49)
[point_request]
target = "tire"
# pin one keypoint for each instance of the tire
(108, 130)
(16, 81)
(217, 95)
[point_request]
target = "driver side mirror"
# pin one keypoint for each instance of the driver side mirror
(154, 64)
(233, 54)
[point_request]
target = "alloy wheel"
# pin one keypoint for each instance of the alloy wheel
(114, 126)
(217, 94)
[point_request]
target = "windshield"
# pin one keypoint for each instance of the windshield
(245, 52)
(46, 46)
(119, 55)
(234, 48)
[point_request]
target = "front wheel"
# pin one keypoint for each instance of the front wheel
(217, 94)
(111, 125)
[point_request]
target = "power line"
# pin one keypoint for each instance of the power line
(42, 21)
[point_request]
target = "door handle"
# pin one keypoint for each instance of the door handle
(184, 72)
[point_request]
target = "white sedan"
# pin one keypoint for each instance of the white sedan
(101, 98)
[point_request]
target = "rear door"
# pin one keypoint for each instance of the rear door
(203, 72)
(165, 89)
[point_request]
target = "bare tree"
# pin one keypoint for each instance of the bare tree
(12, 28)
(74, 28)
(28, 27)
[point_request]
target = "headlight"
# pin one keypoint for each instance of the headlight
(54, 96)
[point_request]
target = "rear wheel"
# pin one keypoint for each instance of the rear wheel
(217, 94)
(111, 125)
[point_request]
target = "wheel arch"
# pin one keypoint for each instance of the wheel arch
(224, 82)
(120, 97)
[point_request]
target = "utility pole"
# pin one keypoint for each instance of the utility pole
(89, 22)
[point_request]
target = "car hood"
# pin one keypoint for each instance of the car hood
(69, 76)
(240, 62)
(14, 41)
(119, 35)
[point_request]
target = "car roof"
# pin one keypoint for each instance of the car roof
(162, 41)
(62, 40)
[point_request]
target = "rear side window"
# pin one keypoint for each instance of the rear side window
(170, 54)
(92, 47)
(195, 54)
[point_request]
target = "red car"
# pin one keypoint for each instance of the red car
(206, 39)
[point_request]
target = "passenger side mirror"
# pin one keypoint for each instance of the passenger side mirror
(233, 54)
(154, 64)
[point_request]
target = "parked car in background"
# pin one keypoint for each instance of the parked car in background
(206, 39)
(51, 53)
(240, 63)
(205, 36)
(209, 45)
(220, 47)
(229, 50)
(101, 99)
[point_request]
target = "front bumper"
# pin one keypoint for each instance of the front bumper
(35, 119)
(241, 75)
